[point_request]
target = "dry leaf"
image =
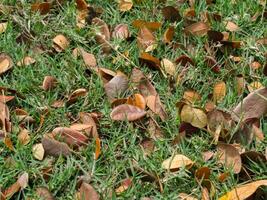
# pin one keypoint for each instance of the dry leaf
(60, 43)
(137, 100)
(97, 148)
(26, 61)
(86, 128)
(38, 151)
(252, 106)
(207, 155)
(242, 192)
(75, 95)
(5, 63)
(43, 8)
(150, 61)
(24, 137)
(254, 86)
(88, 58)
(240, 84)
(5, 123)
(148, 146)
(81, 5)
(3, 27)
(205, 194)
(255, 65)
(8, 143)
(196, 117)
(44, 193)
(229, 156)
(168, 66)
(124, 186)
(55, 148)
(127, 112)
(202, 173)
(154, 104)
(116, 86)
(86, 118)
(212, 64)
(87, 192)
(121, 31)
(138, 23)
(70, 136)
(5, 99)
(197, 29)
(215, 36)
(177, 161)
(49, 83)
(223, 176)
(171, 14)
(219, 91)
(168, 35)
(125, 5)
(191, 96)
(184, 196)
(231, 26)
(146, 40)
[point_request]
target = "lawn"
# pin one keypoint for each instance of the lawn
(130, 164)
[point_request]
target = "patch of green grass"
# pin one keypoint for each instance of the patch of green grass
(120, 140)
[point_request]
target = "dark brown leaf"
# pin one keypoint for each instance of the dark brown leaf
(149, 60)
(168, 35)
(171, 14)
(55, 148)
(43, 8)
(87, 192)
(215, 36)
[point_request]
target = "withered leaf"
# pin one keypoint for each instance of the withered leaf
(87, 192)
(168, 66)
(125, 184)
(146, 40)
(55, 148)
(44, 193)
(138, 23)
(212, 64)
(3, 27)
(149, 60)
(215, 36)
(38, 151)
(121, 31)
(5, 63)
(24, 137)
(219, 91)
(43, 8)
(185, 196)
(154, 104)
(125, 5)
(81, 5)
(195, 116)
(86, 118)
(231, 26)
(60, 43)
(229, 156)
(137, 100)
(127, 112)
(5, 123)
(177, 161)
(240, 84)
(27, 60)
(88, 58)
(49, 83)
(168, 35)
(171, 14)
(197, 29)
(202, 173)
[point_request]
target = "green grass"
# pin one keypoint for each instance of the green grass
(120, 140)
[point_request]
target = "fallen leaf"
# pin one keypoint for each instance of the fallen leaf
(125, 5)
(197, 29)
(102, 36)
(184, 196)
(5, 63)
(43, 8)
(205, 194)
(58, 104)
(212, 64)
(255, 86)
(106, 74)
(8, 143)
(121, 31)
(70, 136)
(202, 173)
(146, 40)
(184, 61)
(86, 118)
(207, 155)
(3, 27)
(5, 99)
(191, 96)
(60, 43)
(81, 5)
(97, 148)
(223, 176)
(138, 23)
(229, 156)
(150, 61)
(49, 83)
(231, 26)
(265, 69)
(148, 146)
(83, 128)
(219, 91)
(75, 95)
(215, 36)
(20, 184)
(5, 123)
(127, 112)
(116, 86)
(240, 84)
(44, 193)
(168, 66)
(252, 106)
(87, 192)
(154, 130)
(24, 137)
(38, 151)
(255, 65)
(154, 104)
(168, 35)
(137, 100)
(242, 192)
(126, 183)
(196, 117)
(171, 14)
(88, 58)
(177, 161)
(55, 148)
(26, 61)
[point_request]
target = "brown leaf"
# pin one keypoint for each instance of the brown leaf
(196, 117)
(5, 99)
(55, 148)
(252, 106)
(168, 66)
(171, 14)
(43, 8)
(242, 192)
(26, 61)
(102, 36)
(127, 112)
(83, 128)
(106, 74)
(240, 84)
(58, 104)
(184, 61)
(138, 23)
(255, 65)
(197, 29)
(205, 194)
(116, 86)
(5, 63)
(223, 176)
(70, 136)
(60, 43)
(154, 130)
(154, 104)
(184, 196)
(20, 184)
(207, 155)
(125, 5)
(86, 118)
(212, 64)
(146, 40)
(202, 173)
(137, 100)
(49, 83)
(5, 123)
(168, 35)
(126, 183)
(8, 143)
(229, 156)
(3, 27)
(148, 146)
(88, 58)
(150, 61)
(177, 161)
(38, 151)
(81, 5)
(231, 26)
(24, 137)
(254, 86)
(219, 91)
(44, 193)
(215, 36)
(87, 192)
(75, 95)
(121, 31)
(191, 96)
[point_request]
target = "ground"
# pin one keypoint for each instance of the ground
(120, 141)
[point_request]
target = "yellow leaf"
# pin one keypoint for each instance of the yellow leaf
(3, 27)
(176, 162)
(196, 117)
(219, 91)
(38, 151)
(125, 5)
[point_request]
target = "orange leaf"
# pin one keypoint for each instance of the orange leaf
(219, 91)
(9, 143)
(97, 148)
(81, 5)
(43, 8)
(168, 35)
(150, 25)
(137, 100)
(149, 60)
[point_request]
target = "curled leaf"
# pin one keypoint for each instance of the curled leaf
(60, 43)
